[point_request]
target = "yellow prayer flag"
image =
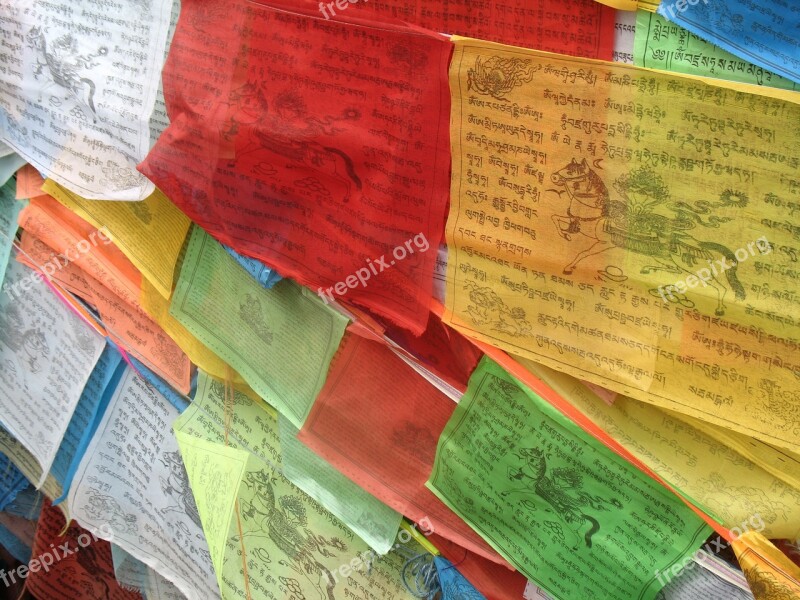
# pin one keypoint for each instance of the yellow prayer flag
(157, 307)
(650, 5)
(632, 228)
(771, 575)
(150, 233)
(215, 473)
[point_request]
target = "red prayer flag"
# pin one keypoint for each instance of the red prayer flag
(79, 565)
(442, 350)
(318, 146)
(378, 422)
(579, 28)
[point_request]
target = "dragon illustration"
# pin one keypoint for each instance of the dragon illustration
(733, 501)
(487, 307)
(766, 585)
(497, 76)
(119, 177)
(101, 507)
(29, 342)
(779, 404)
(63, 64)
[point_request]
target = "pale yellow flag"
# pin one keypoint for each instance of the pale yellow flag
(720, 480)
(215, 473)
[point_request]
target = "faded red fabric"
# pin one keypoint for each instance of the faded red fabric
(442, 350)
(80, 570)
(494, 581)
(378, 422)
(577, 27)
(318, 146)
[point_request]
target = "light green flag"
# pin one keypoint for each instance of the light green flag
(280, 340)
(215, 474)
(662, 45)
(571, 515)
(268, 539)
(371, 519)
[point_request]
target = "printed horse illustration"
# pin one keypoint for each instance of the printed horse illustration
(63, 63)
(635, 226)
(561, 489)
(780, 413)
(288, 131)
(284, 523)
(176, 486)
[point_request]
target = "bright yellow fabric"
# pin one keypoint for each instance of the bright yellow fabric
(150, 233)
(771, 575)
(586, 200)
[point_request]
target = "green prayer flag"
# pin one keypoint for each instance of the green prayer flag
(280, 340)
(662, 45)
(368, 517)
(570, 514)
